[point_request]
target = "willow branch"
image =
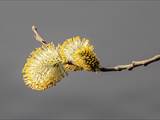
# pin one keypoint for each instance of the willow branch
(132, 65)
(37, 36)
(129, 67)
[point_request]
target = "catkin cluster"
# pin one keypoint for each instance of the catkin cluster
(48, 64)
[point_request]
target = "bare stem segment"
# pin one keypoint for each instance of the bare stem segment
(132, 65)
(37, 36)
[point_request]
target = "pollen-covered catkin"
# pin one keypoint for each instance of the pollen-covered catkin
(43, 68)
(80, 52)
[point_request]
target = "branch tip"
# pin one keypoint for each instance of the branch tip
(37, 36)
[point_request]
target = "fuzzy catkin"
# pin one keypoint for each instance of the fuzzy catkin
(48, 64)
(43, 68)
(80, 52)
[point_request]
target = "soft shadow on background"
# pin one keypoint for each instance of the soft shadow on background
(121, 31)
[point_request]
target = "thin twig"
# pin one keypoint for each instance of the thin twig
(132, 65)
(129, 67)
(37, 36)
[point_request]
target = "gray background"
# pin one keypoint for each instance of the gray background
(121, 31)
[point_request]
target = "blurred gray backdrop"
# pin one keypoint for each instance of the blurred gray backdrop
(121, 31)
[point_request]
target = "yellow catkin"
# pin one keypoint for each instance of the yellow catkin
(78, 51)
(43, 68)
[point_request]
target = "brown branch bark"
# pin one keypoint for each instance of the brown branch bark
(132, 65)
